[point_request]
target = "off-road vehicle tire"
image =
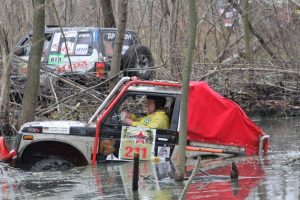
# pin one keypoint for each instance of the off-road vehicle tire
(52, 164)
(138, 57)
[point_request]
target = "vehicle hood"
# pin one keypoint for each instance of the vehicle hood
(59, 127)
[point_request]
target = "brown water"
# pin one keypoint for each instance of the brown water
(272, 177)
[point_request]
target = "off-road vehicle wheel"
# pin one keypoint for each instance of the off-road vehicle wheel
(52, 164)
(138, 57)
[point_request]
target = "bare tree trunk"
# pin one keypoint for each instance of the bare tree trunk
(246, 28)
(254, 32)
(165, 8)
(50, 13)
(192, 27)
(164, 23)
(63, 14)
(108, 15)
(67, 13)
(33, 77)
(70, 13)
(172, 39)
(4, 81)
(63, 34)
(150, 22)
(116, 61)
(97, 10)
(214, 14)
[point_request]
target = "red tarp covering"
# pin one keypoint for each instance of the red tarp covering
(214, 119)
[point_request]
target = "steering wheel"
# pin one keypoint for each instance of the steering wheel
(116, 118)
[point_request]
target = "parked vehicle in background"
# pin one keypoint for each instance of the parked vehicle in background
(87, 52)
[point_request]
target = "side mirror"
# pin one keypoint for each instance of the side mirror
(19, 52)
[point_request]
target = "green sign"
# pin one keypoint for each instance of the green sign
(137, 140)
(56, 59)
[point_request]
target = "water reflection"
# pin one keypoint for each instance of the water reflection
(274, 177)
(114, 181)
(216, 183)
(281, 180)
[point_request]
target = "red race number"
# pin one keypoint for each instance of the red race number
(129, 151)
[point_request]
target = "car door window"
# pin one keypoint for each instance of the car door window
(47, 45)
(25, 46)
(108, 43)
(84, 44)
(132, 103)
(108, 40)
(135, 104)
(67, 46)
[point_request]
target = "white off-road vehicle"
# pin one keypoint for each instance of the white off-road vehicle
(86, 52)
(62, 144)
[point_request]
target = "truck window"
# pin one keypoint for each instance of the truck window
(132, 103)
(24, 47)
(84, 44)
(47, 43)
(108, 40)
(78, 43)
(135, 104)
(65, 46)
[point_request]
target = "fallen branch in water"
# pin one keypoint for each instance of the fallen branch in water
(195, 171)
(292, 161)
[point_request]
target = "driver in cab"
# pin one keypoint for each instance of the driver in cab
(156, 116)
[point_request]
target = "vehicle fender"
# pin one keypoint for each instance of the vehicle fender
(81, 144)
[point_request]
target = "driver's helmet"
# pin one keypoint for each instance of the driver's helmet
(159, 101)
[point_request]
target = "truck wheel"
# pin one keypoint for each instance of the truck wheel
(52, 164)
(138, 57)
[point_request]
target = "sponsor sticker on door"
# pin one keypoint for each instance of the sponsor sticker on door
(56, 129)
(56, 59)
(81, 49)
(137, 140)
